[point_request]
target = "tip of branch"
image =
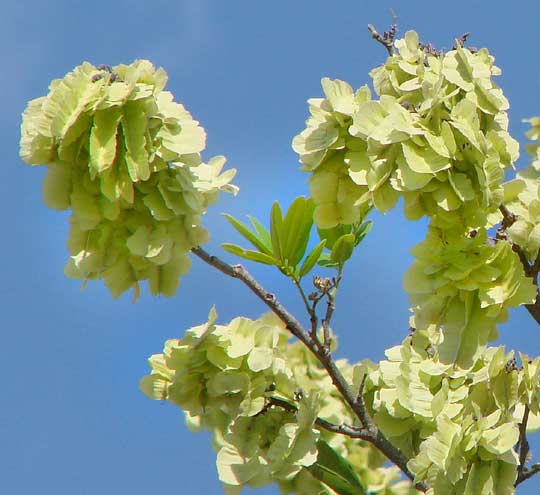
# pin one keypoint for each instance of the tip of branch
(386, 39)
(461, 40)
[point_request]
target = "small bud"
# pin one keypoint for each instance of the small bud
(511, 365)
(321, 284)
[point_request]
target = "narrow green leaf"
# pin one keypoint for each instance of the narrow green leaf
(343, 249)
(333, 234)
(312, 259)
(326, 262)
(362, 231)
(259, 243)
(289, 230)
(276, 221)
(296, 230)
(262, 231)
(249, 255)
(335, 472)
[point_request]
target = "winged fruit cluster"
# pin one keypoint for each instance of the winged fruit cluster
(125, 158)
(260, 396)
(458, 425)
(437, 138)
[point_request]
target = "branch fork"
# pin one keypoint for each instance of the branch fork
(368, 431)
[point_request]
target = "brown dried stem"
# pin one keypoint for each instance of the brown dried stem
(386, 39)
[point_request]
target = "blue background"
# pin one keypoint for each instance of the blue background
(72, 420)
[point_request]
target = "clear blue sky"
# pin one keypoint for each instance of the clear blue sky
(72, 420)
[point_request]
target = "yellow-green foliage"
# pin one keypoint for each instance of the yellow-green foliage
(436, 136)
(223, 376)
(125, 158)
(458, 425)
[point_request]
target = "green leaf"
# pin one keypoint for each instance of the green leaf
(312, 259)
(249, 255)
(276, 221)
(258, 242)
(326, 262)
(296, 229)
(290, 228)
(362, 231)
(264, 235)
(335, 472)
(333, 234)
(343, 249)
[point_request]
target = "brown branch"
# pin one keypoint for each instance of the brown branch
(325, 288)
(530, 270)
(508, 220)
(309, 308)
(527, 473)
(534, 309)
(523, 442)
(386, 39)
(535, 268)
(460, 41)
(360, 400)
(314, 319)
(369, 432)
(330, 307)
(239, 272)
